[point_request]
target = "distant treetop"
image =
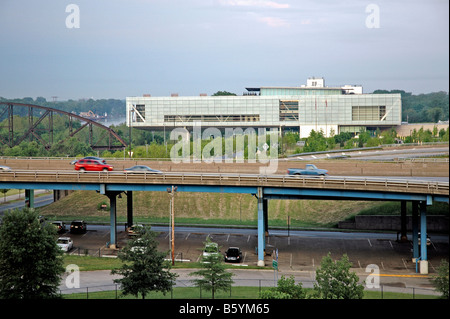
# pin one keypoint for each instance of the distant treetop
(221, 93)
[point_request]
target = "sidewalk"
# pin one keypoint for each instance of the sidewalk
(102, 280)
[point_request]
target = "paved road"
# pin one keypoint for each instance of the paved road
(102, 280)
(381, 155)
(13, 201)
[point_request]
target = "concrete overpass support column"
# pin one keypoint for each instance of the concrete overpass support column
(403, 235)
(261, 228)
(129, 208)
(415, 230)
(423, 239)
(113, 218)
(29, 198)
(266, 216)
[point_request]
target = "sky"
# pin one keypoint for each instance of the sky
(100, 49)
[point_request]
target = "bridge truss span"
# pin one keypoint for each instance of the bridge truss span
(106, 139)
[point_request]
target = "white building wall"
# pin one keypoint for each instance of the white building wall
(305, 130)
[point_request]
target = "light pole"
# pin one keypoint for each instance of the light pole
(172, 219)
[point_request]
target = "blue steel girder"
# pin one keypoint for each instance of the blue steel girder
(268, 192)
(338, 194)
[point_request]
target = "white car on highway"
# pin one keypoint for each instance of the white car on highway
(65, 243)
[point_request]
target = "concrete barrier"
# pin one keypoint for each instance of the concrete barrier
(335, 168)
(435, 223)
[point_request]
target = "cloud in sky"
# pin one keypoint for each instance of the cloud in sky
(160, 47)
(274, 22)
(255, 3)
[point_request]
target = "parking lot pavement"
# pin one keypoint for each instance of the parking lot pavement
(295, 253)
(298, 256)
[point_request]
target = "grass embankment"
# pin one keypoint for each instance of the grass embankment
(221, 209)
(205, 208)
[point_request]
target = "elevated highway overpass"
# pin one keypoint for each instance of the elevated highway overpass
(430, 168)
(263, 187)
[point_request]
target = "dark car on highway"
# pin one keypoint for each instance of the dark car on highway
(233, 254)
(141, 169)
(78, 226)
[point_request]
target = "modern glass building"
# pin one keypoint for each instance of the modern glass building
(302, 109)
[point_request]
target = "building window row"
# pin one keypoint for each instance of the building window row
(288, 110)
(212, 118)
(138, 113)
(368, 113)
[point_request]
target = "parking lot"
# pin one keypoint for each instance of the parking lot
(302, 252)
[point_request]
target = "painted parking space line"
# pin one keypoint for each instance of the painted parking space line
(405, 276)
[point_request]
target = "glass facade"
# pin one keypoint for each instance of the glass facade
(271, 91)
(302, 112)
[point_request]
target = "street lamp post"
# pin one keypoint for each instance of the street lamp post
(172, 219)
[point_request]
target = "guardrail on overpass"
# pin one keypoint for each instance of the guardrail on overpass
(239, 180)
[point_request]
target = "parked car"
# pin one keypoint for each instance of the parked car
(41, 219)
(4, 168)
(210, 249)
(92, 165)
(310, 169)
(134, 230)
(60, 226)
(141, 169)
(233, 254)
(78, 226)
(65, 243)
(428, 239)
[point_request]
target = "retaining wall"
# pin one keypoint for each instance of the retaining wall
(439, 224)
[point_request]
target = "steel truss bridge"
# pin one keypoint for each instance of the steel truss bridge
(110, 139)
(263, 187)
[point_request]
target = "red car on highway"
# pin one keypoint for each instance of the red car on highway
(92, 165)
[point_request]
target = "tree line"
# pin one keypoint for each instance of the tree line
(113, 107)
(422, 108)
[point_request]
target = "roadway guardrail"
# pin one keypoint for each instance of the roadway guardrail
(231, 179)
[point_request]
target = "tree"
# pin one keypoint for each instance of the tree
(222, 93)
(342, 137)
(441, 280)
(316, 142)
(363, 137)
(30, 260)
(335, 281)
(144, 268)
(214, 276)
(4, 191)
(286, 289)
